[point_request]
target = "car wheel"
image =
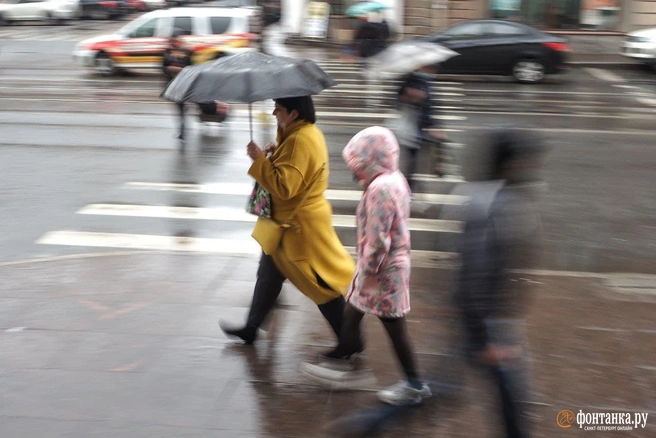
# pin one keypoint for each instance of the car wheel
(528, 71)
(104, 64)
(4, 21)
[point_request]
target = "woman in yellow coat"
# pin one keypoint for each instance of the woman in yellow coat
(311, 255)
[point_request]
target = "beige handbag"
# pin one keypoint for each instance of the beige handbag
(268, 232)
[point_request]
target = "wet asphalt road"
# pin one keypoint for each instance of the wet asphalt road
(73, 143)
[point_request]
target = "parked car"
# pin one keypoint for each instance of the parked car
(37, 10)
(136, 5)
(213, 32)
(501, 47)
(641, 46)
(102, 9)
(180, 3)
(145, 5)
(152, 5)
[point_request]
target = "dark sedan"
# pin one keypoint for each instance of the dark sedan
(103, 9)
(502, 48)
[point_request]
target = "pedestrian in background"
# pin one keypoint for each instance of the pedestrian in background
(381, 285)
(500, 235)
(177, 57)
(310, 255)
(416, 124)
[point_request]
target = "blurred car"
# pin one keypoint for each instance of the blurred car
(213, 32)
(180, 3)
(37, 10)
(641, 46)
(136, 5)
(151, 5)
(102, 9)
(501, 47)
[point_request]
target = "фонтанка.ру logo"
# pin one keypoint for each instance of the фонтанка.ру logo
(602, 421)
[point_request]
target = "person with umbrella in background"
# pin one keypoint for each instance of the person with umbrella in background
(310, 255)
(177, 57)
(416, 63)
(415, 104)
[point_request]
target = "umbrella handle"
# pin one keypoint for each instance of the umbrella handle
(250, 118)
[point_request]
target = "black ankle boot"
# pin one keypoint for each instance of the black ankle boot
(246, 334)
(341, 353)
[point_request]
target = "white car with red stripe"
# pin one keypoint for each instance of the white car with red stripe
(140, 44)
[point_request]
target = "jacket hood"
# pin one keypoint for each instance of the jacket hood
(372, 152)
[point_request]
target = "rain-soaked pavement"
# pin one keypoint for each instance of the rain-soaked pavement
(102, 338)
(127, 345)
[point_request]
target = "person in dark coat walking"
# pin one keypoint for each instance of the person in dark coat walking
(177, 57)
(416, 124)
(371, 37)
(501, 233)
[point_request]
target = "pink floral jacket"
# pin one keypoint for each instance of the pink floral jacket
(381, 285)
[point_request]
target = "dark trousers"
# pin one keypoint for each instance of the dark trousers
(181, 110)
(510, 376)
(267, 290)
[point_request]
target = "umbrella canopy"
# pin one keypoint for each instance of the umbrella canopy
(407, 56)
(248, 77)
(364, 8)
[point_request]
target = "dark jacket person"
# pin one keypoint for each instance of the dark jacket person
(176, 57)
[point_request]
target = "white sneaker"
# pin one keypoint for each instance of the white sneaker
(402, 393)
(338, 374)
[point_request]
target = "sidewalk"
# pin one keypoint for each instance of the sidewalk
(127, 345)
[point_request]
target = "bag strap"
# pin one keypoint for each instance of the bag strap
(307, 192)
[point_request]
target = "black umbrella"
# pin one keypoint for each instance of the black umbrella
(248, 77)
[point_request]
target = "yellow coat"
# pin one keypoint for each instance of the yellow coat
(313, 249)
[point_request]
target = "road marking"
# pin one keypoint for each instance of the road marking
(605, 75)
(236, 248)
(233, 248)
(232, 214)
(649, 101)
(245, 189)
(629, 87)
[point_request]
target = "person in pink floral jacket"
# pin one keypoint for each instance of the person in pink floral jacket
(381, 284)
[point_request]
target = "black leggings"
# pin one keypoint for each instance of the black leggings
(350, 340)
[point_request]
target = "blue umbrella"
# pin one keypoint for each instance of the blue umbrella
(363, 8)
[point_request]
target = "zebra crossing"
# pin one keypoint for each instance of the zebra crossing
(228, 226)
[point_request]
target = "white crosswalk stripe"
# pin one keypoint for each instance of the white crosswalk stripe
(233, 214)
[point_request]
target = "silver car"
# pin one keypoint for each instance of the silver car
(641, 46)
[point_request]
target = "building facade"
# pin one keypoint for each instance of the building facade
(422, 17)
